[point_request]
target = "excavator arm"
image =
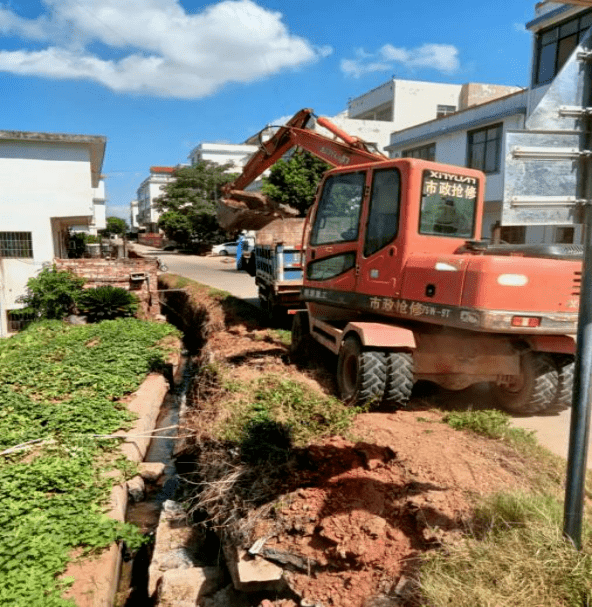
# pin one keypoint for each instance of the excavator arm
(252, 211)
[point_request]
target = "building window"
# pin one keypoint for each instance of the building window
(565, 235)
(16, 244)
(484, 148)
(17, 320)
(513, 234)
(445, 110)
(556, 44)
(425, 152)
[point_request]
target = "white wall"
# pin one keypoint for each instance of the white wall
(417, 102)
(39, 181)
(223, 153)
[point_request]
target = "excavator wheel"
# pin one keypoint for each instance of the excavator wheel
(361, 374)
(535, 390)
(566, 367)
(399, 378)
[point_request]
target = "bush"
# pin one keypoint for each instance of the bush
(107, 303)
(52, 294)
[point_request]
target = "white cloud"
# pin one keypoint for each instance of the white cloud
(167, 52)
(441, 57)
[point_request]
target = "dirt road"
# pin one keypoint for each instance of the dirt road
(220, 272)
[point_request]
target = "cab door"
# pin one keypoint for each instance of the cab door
(332, 249)
(380, 258)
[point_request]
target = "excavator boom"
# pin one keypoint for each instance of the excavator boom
(252, 211)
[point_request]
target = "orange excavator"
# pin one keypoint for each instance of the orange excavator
(398, 283)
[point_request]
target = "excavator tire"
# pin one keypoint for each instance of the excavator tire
(537, 388)
(566, 367)
(399, 378)
(361, 374)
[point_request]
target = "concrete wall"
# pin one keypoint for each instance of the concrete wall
(417, 102)
(44, 188)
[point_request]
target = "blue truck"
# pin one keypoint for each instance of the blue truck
(276, 264)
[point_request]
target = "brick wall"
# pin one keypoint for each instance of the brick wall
(151, 240)
(118, 273)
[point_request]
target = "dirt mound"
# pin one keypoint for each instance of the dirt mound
(365, 510)
(351, 516)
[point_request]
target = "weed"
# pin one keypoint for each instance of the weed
(515, 556)
(305, 413)
(282, 335)
(490, 423)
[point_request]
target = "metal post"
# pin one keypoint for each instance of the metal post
(580, 413)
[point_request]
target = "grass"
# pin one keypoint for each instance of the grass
(514, 553)
(492, 424)
(272, 401)
(515, 557)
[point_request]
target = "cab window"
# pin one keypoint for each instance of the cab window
(338, 214)
(383, 219)
(448, 204)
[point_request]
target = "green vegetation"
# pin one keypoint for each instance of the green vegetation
(514, 552)
(115, 225)
(51, 294)
(490, 423)
(188, 205)
(273, 414)
(107, 303)
(294, 181)
(516, 556)
(60, 387)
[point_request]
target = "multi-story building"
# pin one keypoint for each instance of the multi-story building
(134, 226)
(234, 154)
(475, 136)
(150, 189)
(49, 183)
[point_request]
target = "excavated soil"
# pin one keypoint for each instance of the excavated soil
(351, 522)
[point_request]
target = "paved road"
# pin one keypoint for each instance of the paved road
(220, 272)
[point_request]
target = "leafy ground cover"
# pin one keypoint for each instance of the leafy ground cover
(61, 387)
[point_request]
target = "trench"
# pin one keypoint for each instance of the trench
(132, 588)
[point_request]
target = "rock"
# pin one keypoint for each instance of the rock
(227, 597)
(151, 471)
(185, 587)
(135, 488)
(75, 319)
(175, 545)
(252, 573)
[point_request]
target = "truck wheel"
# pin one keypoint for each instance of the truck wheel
(361, 375)
(399, 377)
(300, 335)
(566, 367)
(534, 390)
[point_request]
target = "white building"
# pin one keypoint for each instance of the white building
(134, 216)
(234, 154)
(476, 136)
(150, 189)
(48, 184)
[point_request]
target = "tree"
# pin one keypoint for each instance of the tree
(188, 204)
(294, 181)
(115, 225)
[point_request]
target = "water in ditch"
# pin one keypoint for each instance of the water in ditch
(133, 583)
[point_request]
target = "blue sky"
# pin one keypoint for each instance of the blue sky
(157, 77)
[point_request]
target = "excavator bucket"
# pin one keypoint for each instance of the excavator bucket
(240, 210)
